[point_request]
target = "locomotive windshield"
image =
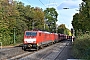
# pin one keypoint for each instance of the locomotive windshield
(31, 33)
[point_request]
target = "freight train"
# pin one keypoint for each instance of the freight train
(38, 39)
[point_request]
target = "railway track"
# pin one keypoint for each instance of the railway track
(48, 53)
(55, 52)
(57, 57)
(10, 52)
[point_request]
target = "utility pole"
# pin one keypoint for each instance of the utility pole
(14, 35)
(72, 32)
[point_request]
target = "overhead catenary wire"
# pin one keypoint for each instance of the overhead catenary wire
(29, 2)
(42, 3)
(55, 3)
(51, 2)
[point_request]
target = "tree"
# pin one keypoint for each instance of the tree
(38, 20)
(81, 20)
(61, 28)
(8, 14)
(51, 17)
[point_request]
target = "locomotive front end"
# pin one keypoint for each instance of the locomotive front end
(29, 40)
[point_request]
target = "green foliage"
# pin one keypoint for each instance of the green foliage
(38, 18)
(81, 20)
(51, 18)
(8, 20)
(63, 30)
(81, 25)
(81, 47)
(66, 31)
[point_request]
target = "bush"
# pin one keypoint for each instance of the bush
(81, 47)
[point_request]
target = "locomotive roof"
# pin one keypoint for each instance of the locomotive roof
(38, 31)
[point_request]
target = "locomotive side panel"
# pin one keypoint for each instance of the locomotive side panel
(39, 38)
(53, 37)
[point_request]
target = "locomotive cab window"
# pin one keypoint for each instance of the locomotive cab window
(31, 33)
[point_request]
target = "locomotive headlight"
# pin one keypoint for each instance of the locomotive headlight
(25, 41)
(34, 41)
(37, 44)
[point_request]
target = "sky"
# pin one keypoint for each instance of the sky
(65, 16)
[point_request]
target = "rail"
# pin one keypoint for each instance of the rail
(0, 45)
